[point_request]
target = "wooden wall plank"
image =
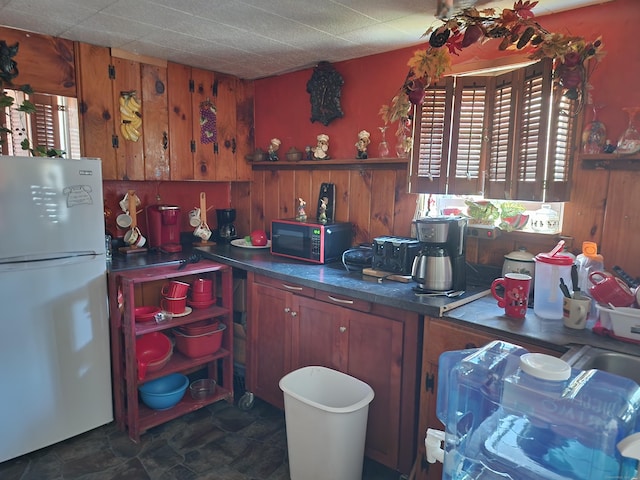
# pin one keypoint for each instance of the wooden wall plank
(204, 158)
(245, 131)
(155, 121)
(180, 126)
(225, 101)
(96, 107)
(382, 202)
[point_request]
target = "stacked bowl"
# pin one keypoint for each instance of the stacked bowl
(200, 338)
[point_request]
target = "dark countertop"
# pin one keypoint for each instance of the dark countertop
(478, 309)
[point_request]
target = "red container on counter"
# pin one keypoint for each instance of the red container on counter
(201, 344)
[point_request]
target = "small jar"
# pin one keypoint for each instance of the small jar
(545, 220)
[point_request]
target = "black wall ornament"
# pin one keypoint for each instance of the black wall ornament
(324, 88)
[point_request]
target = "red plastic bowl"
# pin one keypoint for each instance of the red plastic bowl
(147, 313)
(153, 351)
(201, 344)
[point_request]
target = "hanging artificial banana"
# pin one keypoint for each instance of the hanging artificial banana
(131, 118)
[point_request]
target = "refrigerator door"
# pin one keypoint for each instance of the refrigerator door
(54, 352)
(50, 207)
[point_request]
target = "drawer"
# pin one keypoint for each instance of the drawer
(343, 301)
(285, 285)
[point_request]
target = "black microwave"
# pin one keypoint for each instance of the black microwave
(311, 242)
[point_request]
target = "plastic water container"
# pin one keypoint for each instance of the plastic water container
(510, 414)
(547, 296)
(326, 421)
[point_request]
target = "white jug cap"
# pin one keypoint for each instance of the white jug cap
(545, 367)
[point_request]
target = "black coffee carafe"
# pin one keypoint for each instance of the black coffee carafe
(226, 229)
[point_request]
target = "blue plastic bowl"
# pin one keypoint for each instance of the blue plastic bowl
(165, 392)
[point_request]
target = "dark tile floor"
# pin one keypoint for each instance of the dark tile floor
(218, 442)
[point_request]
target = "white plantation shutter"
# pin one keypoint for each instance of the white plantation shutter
(497, 133)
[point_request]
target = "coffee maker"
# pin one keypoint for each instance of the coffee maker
(226, 229)
(163, 222)
(441, 264)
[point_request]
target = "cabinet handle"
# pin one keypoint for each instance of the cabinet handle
(291, 287)
(287, 309)
(294, 313)
(339, 300)
(343, 329)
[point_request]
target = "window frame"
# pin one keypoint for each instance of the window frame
(529, 162)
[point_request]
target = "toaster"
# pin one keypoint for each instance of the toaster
(394, 254)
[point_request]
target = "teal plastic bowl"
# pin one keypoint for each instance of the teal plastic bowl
(165, 392)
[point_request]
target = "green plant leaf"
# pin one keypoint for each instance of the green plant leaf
(6, 100)
(27, 107)
(25, 144)
(26, 88)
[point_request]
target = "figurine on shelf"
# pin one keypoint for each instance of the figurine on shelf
(320, 152)
(364, 138)
(302, 215)
(322, 211)
(273, 149)
(308, 153)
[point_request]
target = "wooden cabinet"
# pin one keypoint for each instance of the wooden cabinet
(190, 90)
(138, 287)
(441, 335)
(291, 326)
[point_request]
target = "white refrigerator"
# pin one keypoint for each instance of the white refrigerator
(55, 369)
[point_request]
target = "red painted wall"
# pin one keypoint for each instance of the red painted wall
(282, 107)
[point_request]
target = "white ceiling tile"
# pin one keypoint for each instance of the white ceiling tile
(247, 38)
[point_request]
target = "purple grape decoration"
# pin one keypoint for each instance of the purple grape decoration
(208, 123)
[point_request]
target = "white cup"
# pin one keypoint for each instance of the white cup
(124, 203)
(194, 217)
(124, 220)
(203, 231)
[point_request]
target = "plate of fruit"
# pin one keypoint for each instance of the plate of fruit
(257, 239)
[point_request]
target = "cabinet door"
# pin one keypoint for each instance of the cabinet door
(155, 122)
(180, 121)
(319, 335)
(226, 148)
(130, 153)
(96, 106)
(204, 153)
(269, 340)
(364, 346)
(375, 357)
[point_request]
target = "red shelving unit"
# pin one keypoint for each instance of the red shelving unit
(132, 288)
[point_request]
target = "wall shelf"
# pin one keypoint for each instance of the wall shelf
(610, 161)
(336, 164)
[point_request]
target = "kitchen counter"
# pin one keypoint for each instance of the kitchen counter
(475, 308)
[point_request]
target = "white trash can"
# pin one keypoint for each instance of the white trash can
(326, 420)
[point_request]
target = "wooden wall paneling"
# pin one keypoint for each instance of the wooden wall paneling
(95, 104)
(360, 204)
(130, 154)
(44, 62)
(584, 215)
(258, 200)
(302, 189)
(245, 129)
(620, 248)
(155, 122)
(383, 186)
(341, 179)
(272, 195)
(241, 201)
(225, 102)
(204, 158)
(287, 200)
(180, 122)
(404, 205)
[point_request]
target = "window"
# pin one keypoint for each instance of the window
(54, 124)
(505, 136)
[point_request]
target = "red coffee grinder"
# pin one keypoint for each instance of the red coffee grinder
(163, 222)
